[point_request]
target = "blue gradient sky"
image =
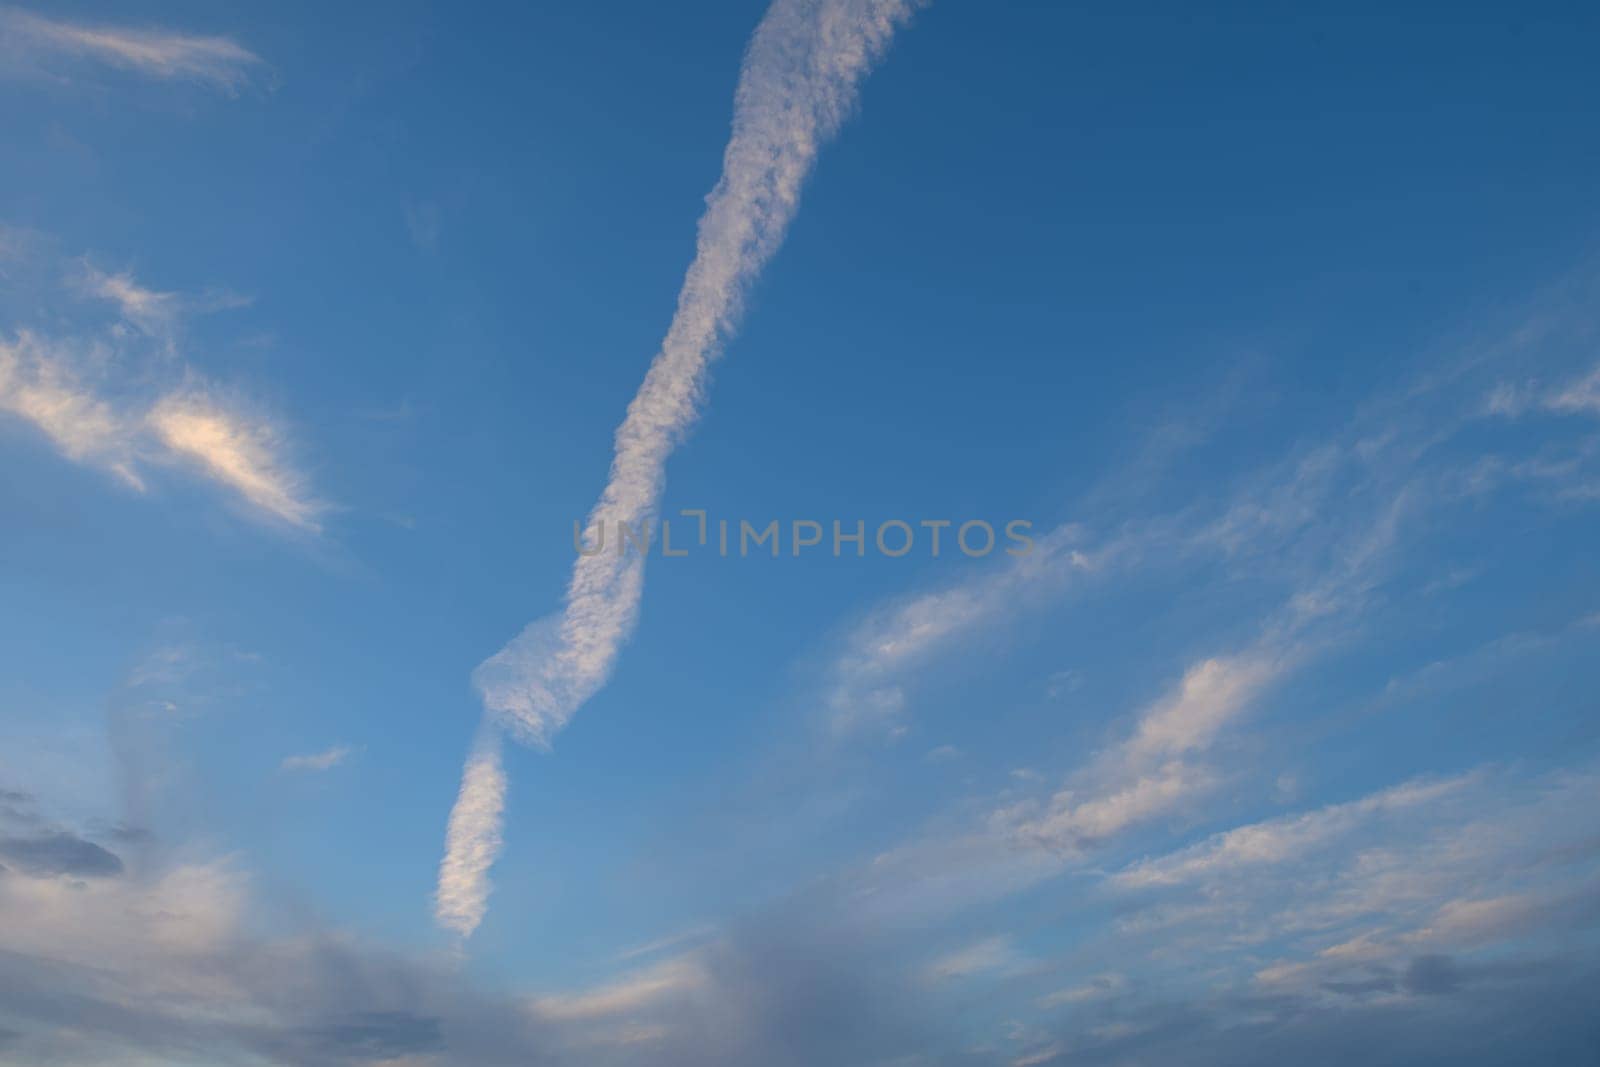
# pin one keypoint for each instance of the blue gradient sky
(1280, 327)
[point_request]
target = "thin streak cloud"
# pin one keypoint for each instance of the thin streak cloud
(325, 760)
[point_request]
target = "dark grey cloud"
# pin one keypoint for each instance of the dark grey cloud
(1378, 982)
(1535, 1012)
(1435, 975)
(799, 988)
(118, 833)
(377, 1035)
(16, 807)
(59, 852)
(1432, 974)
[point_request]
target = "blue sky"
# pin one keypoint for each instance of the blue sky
(319, 744)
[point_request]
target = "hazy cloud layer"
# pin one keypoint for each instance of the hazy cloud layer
(1480, 891)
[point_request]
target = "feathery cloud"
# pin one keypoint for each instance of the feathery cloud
(1432, 862)
(867, 682)
(97, 396)
(1211, 694)
(137, 302)
(1579, 396)
(1388, 476)
(218, 62)
(40, 386)
(242, 453)
(1157, 769)
(796, 87)
(1582, 395)
(642, 988)
(1280, 840)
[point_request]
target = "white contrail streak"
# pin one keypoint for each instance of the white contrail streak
(796, 86)
(473, 838)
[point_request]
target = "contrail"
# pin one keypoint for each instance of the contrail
(797, 85)
(473, 838)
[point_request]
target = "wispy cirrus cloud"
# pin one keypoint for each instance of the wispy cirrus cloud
(1283, 839)
(866, 686)
(991, 955)
(121, 398)
(1342, 895)
(40, 385)
(1431, 887)
(1160, 767)
(796, 86)
(669, 979)
(237, 450)
(1330, 529)
(1582, 395)
(217, 62)
(151, 312)
(325, 760)
(1576, 396)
